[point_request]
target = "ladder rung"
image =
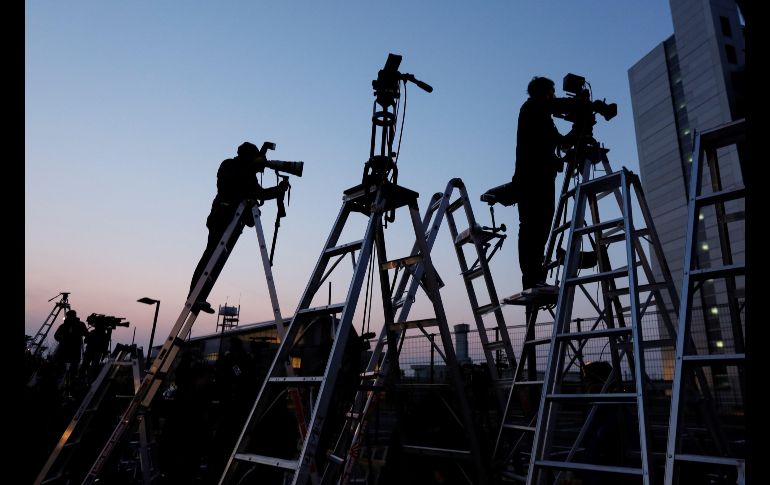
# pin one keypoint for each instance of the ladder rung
(529, 383)
(581, 280)
(402, 262)
(422, 385)
(335, 459)
(297, 379)
(538, 341)
(718, 272)
(489, 307)
(604, 398)
(267, 460)
(473, 273)
(568, 194)
(562, 228)
(718, 460)
(723, 359)
(734, 217)
(652, 344)
(504, 382)
(467, 236)
(328, 309)
(431, 451)
(424, 323)
(640, 288)
(601, 184)
(604, 332)
(601, 226)
(455, 205)
(519, 427)
(571, 465)
(344, 248)
(622, 237)
(495, 345)
(369, 375)
(721, 196)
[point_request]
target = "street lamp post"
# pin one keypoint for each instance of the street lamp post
(150, 301)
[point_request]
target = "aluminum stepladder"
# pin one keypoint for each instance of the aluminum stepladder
(64, 463)
(304, 462)
(624, 340)
(36, 346)
(514, 438)
(718, 453)
(348, 447)
(135, 413)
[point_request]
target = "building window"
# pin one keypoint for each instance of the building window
(730, 52)
(725, 22)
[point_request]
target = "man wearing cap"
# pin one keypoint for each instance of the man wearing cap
(70, 337)
(236, 181)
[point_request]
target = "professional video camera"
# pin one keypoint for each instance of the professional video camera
(100, 321)
(578, 108)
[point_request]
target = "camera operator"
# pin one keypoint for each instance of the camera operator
(537, 163)
(236, 181)
(70, 337)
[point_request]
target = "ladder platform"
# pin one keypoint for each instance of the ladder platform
(495, 345)
(424, 323)
(571, 465)
(528, 297)
(538, 341)
(344, 248)
(363, 195)
(322, 310)
(268, 460)
(401, 262)
(604, 183)
(431, 451)
(528, 383)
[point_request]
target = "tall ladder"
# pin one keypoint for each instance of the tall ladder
(347, 449)
(302, 462)
(559, 398)
(514, 438)
(163, 362)
(36, 345)
(686, 446)
(67, 461)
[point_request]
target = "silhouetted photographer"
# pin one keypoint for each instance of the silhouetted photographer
(236, 182)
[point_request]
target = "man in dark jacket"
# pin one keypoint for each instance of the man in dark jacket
(537, 163)
(236, 181)
(70, 337)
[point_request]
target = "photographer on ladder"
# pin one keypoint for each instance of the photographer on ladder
(236, 181)
(537, 163)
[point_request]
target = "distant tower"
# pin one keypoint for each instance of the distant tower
(228, 317)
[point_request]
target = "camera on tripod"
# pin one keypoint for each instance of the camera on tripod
(578, 108)
(101, 321)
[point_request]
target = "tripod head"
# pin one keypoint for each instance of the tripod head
(387, 93)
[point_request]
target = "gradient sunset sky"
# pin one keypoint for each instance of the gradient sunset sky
(131, 106)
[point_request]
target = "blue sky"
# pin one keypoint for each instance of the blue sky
(131, 106)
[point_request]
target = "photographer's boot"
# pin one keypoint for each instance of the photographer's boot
(202, 306)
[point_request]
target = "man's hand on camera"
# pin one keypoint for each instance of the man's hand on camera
(283, 185)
